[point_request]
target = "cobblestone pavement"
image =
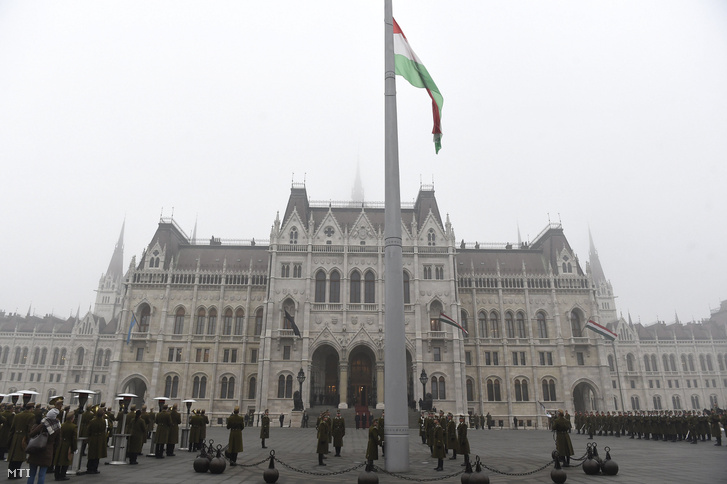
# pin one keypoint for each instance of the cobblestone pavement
(510, 451)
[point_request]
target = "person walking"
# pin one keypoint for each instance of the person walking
(235, 424)
(282, 419)
(563, 444)
(39, 462)
(338, 430)
(265, 427)
(514, 422)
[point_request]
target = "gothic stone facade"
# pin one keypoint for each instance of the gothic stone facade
(210, 324)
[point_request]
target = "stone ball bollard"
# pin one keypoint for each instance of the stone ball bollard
(479, 476)
(271, 474)
(465, 479)
(609, 466)
(557, 475)
(367, 476)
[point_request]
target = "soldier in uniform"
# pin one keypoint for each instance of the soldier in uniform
(22, 424)
(195, 424)
(714, 424)
(235, 424)
(96, 441)
(357, 419)
(323, 437)
(451, 437)
(439, 451)
(489, 419)
(265, 428)
(338, 430)
(86, 418)
(204, 427)
(372, 448)
(423, 428)
(173, 430)
(563, 444)
(463, 443)
(7, 414)
(381, 434)
(137, 437)
(164, 423)
(67, 447)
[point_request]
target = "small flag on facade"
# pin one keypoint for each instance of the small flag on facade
(410, 67)
(131, 326)
(602, 330)
(290, 319)
(447, 320)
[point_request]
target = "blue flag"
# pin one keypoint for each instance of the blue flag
(131, 326)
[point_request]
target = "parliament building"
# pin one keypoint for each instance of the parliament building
(206, 320)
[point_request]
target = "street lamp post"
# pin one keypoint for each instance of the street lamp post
(423, 378)
(120, 439)
(186, 445)
(78, 456)
(301, 379)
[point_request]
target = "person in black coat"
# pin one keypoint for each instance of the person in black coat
(357, 419)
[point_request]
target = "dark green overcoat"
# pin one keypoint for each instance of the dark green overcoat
(137, 435)
(265, 427)
(235, 423)
(23, 423)
(68, 443)
(339, 430)
(562, 440)
(438, 448)
(372, 449)
(97, 438)
(164, 422)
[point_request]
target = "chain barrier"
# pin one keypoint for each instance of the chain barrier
(322, 474)
(255, 464)
(550, 463)
(418, 479)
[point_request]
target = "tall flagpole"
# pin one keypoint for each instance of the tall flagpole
(396, 423)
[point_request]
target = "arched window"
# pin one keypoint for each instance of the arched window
(227, 387)
(518, 391)
(524, 385)
(25, 356)
(709, 363)
(407, 298)
(657, 402)
(684, 363)
(442, 389)
(611, 366)
(6, 353)
(546, 390)
(673, 361)
(635, 403)
(334, 290)
(463, 322)
(43, 356)
(647, 366)
(227, 322)
(212, 322)
(435, 388)
(199, 328)
(251, 388)
(107, 358)
(55, 356)
(145, 315)
(494, 325)
(482, 323)
(702, 365)
(281, 386)
(435, 309)
(542, 325)
(493, 390)
(369, 287)
(665, 362)
(18, 351)
(175, 386)
(575, 324)
(289, 386)
(713, 402)
(289, 307)
(239, 321)
(355, 289)
(63, 357)
(521, 333)
(294, 236)
(320, 295)
(258, 321)
(470, 391)
(36, 356)
(79, 356)
(676, 402)
(171, 386)
(199, 387)
(653, 363)
(719, 362)
(630, 362)
(509, 326)
(691, 362)
(695, 402)
(431, 237)
(179, 321)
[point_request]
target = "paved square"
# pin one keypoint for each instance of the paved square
(512, 451)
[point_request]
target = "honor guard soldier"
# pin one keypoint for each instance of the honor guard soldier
(372, 448)
(67, 447)
(439, 451)
(173, 430)
(164, 423)
(235, 424)
(7, 414)
(338, 431)
(451, 437)
(323, 437)
(23, 423)
(463, 443)
(563, 444)
(265, 428)
(137, 437)
(96, 441)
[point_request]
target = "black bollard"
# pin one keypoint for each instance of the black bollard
(271, 474)
(558, 475)
(367, 476)
(218, 464)
(609, 467)
(478, 477)
(590, 466)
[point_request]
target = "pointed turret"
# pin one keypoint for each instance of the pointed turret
(194, 231)
(108, 295)
(357, 194)
(116, 265)
(596, 269)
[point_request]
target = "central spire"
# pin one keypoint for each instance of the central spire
(357, 194)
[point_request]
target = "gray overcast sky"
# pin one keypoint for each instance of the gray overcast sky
(609, 114)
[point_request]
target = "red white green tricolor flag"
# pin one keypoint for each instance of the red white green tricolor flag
(602, 330)
(447, 320)
(410, 67)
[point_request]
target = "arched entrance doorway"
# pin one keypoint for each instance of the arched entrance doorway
(137, 387)
(584, 398)
(362, 377)
(324, 384)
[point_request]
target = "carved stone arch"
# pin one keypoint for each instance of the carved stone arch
(137, 384)
(586, 395)
(326, 337)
